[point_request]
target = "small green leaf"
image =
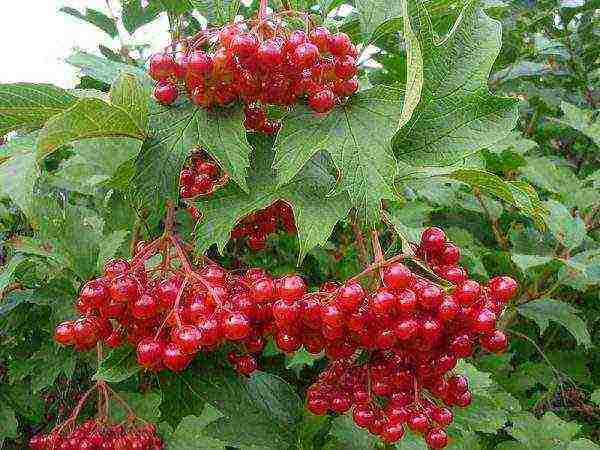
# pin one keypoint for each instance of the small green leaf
(372, 13)
(88, 118)
(8, 421)
(146, 406)
(129, 93)
(581, 120)
(218, 12)
(118, 365)
(299, 360)
(349, 436)
(19, 173)
(582, 270)
(457, 115)
(356, 135)
(110, 246)
(103, 69)
(315, 213)
(583, 444)
(595, 398)
(547, 174)
(96, 18)
(190, 433)
(526, 262)
(548, 432)
(568, 230)
(544, 310)
(26, 104)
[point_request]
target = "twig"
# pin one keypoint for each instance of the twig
(361, 248)
(502, 240)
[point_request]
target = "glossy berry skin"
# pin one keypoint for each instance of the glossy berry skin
(174, 358)
(340, 44)
(363, 416)
(503, 288)
(244, 45)
(64, 333)
(291, 287)
(124, 289)
(350, 296)
(115, 268)
(397, 276)
(166, 93)
(187, 337)
(346, 68)
(145, 307)
(95, 293)
(149, 352)
(450, 254)
(287, 342)
(495, 342)
(162, 66)
(262, 290)
(485, 321)
(322, 101)
(270, 53)
(382, 303)
(405, 329)
(392, 433)
(418, 422)
(433, 239)
(236, 326)
(468, 292)
(306, 55)
(320, 37)
(332, 316)
(200, 63)
(436, 438)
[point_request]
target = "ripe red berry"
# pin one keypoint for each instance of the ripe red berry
(340, 44)
(450, 254)
(397, 276)
(418, 422)
(124, 289)
(149, 352)
(244, 45)
(236, 326)
(392, 432)
(306, 55)
(174, 358)
(345, 67)
(115, 267)
(484, 322)
(165, 93)
(436, 438)
(430, 296)
(433, 239)
(162, 66)
(332, 316)
(95, 293)
(200, 63)
(291, 287)
(187, 337)
(363, 416)
(287, 342)
(382, 303)
(322, 101)
(85, 332)
(262, 290)
(406, 328)
(145, 307)
(503, 288)
(494, 342)
(64, 333)
(317, 406)
(350, 296)
(346, 88)
(270, 53)
(467, 292)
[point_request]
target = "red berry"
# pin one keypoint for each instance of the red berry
(495, 342)
(503, 288)
(166, 93)
(162, 66)
(95, 293)
(291, 287)
(392, 432)
(350, 296)
(317, 406)
(244, 45)
(320, 37)
(397, 276)
(270, 53)
(436, 438)
(322, 101)
(340, 44)
(174, 358)
(262, 290)
(450, 254)
(236, 326)
(145, 307)
(468, 292)
(484, 322)
(124, 289)
(363, 416)
(64, 333)
(187, 337)
(443, 416)
(346, 88)
(115, 267)
(200, 63)
(382, 303)
(306, 55)
(345, 68)
(433, 239)
(418, 422)
(406, 328)
(430, 296)
(287, 342)
(149, 352)
(332, 316)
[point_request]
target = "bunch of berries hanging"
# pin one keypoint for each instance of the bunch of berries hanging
(260, 63)
(414, 330)
(99, 433)
(201, 176)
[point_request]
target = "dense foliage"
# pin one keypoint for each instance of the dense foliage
(480, 118)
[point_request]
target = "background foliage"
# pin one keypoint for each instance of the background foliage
(90, 168)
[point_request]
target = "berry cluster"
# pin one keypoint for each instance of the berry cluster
(201, 176)
(94, 435)
(259, 225)
(262, 66)
(414, 330)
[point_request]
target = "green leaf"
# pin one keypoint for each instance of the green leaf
(595, 398)
(118, 365)
(45, 366)
(218, 12)
(581, 120)
(372, 13)
(88, 118)
(514, 142)
(8, 422)
(19, 174)
(349, 436)
(262, 412)
(582, 270)
(190, 433)
(547, 174)
(299, 360)
(174, 133)
(583, 444)
(110, 246)
(132, 95)
(134, 15)
(26, 104)
(105, 70)
(545, 310)
(515, 193)
(96, 18)
(457, 115)
(526, 262)
(568, 230)
(548, 432)
(315, 213)
(146, 406)
(356, 135)
(7, 272)
(96, 161)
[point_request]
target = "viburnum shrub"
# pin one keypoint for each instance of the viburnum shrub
(288, 229)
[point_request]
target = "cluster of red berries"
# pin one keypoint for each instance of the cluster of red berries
(201, 176)
(257, 226)
(93, 435)
(414, 330)
(266, 65)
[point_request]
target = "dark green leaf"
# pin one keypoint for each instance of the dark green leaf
(119, 365)
(457, 116)
(548, 432)
(190, 433)
(218, 12)
(356, 135)
(315, 213)
(8, 421)
(104, 70)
